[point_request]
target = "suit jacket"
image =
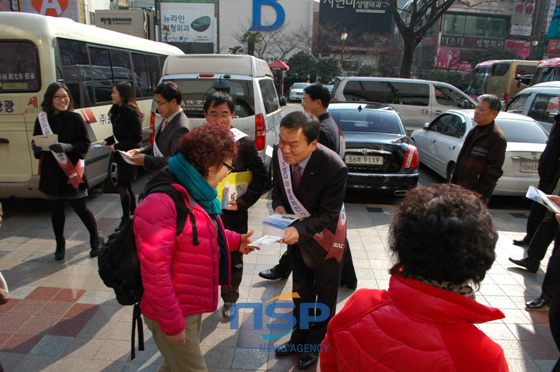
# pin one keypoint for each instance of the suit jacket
(166, 142)
(321, 191)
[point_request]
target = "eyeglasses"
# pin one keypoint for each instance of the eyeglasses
(229, 167)
(59, 98)
(216, 115)
(160, 103)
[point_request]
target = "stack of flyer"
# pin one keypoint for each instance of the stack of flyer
(274, 227)
(540, 197)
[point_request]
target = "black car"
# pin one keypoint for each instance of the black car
(379, 154)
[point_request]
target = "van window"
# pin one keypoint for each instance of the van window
(195, 90)
(517, 103)
(388, 92)
(544, 108)
(446, 96)
(500, 69)
(270, 98)
(19, 67)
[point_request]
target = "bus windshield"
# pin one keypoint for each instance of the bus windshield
(547, 73)
(479, 80)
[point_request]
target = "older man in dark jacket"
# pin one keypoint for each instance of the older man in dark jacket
(479, 165)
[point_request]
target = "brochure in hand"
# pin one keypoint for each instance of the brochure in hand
(540, 197)
(126, 156)
(274, 226)
(233, 186)
(44, 141)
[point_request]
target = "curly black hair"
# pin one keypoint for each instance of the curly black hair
(444, 233)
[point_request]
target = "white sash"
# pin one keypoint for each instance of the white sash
(157, 152)
(74, 174)
(237, 134)
(333, 243)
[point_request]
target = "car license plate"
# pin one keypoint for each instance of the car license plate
(528, 167)
(364, 159)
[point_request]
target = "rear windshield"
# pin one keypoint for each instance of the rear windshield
(367, 121)
(388, 92)
(19, 67)
(194, 93)
(522, 131)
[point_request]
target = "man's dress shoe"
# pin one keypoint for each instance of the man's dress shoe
(286, 349)
(537, 303)
(273, 274)
(524, 262)
(520, 243)
(308, 359)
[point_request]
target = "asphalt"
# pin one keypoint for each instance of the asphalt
(62, 318)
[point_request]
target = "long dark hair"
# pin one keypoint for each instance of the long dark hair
(129, 100)
(47, 104)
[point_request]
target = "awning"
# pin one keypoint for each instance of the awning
(279, 65)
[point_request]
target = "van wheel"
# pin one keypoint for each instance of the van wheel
(110, 185)
(450, 170)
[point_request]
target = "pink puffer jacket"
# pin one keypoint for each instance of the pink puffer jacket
(180, 279)
(412, 326)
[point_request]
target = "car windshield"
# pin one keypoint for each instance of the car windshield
(299, 85)
(367, 121)
(522, 131)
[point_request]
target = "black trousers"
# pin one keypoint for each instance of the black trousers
(537, 211)
(316, 280)
(348, 271)
(544, 235)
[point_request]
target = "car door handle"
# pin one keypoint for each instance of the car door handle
(451, 147)
(4, 140)
(433, 141)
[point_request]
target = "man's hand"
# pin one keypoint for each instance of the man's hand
(232, 206)
(280, 210)
(137, 159)
(291, 236)
(177, 339)
(556, 200)
(134, 151)
(244, 245)
(36, 149)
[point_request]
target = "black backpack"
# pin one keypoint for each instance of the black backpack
(119, 267)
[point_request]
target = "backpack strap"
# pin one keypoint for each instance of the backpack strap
(137, 321)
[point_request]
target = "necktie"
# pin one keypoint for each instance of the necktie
(165, 122)
(297, 175)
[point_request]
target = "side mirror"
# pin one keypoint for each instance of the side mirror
(426, 125)
(282, 101)
(222, 84)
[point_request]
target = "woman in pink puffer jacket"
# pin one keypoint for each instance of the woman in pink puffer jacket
(181, 274)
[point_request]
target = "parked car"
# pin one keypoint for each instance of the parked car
(416, 101)
(540, 101)
(379, 154)
(296, 92)
(248, 80)
(440, 141)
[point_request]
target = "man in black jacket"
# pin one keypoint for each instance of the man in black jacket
(219, 108)
(549, 167)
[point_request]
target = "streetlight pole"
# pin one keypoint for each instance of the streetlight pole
(343, 37)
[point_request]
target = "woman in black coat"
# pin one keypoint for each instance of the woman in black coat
(56, 184)
(126, 119)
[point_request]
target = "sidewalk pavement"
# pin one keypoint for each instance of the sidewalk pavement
(62, 318)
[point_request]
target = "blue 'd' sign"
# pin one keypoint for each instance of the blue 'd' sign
(280, 15)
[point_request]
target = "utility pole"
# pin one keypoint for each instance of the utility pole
(536, 31)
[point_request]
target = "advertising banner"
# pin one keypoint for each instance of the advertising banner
(73, 9)
(188, 22)
(357, 16)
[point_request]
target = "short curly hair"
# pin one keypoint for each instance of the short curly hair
(444, 233)
(206, 146)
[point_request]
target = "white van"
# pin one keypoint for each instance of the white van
(540, 101)
(257, 107)
(416, 101)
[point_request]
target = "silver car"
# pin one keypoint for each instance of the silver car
(440, 141)
(296, 92)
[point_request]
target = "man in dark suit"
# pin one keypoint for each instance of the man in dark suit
(174, 125)
(316, 98)
(316, 192)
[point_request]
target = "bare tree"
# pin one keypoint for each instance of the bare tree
(417, 17)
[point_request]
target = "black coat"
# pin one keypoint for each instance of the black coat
(127, 128)
(549, 161)
(71, 128)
